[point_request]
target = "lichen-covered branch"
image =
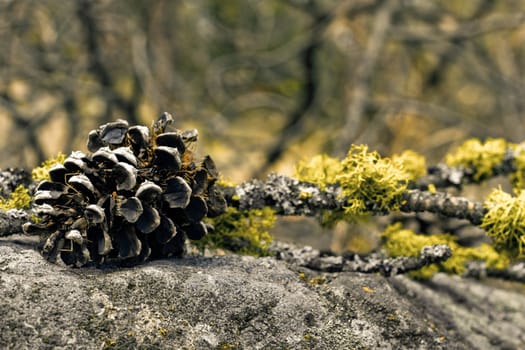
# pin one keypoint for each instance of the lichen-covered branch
(443, 204)
(11, 178)
(515, 272)
(476, 161)
(11, 221)
(394, 266)
(373, 263)
(442, 175)
(288, 196)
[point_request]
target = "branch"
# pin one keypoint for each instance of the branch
(309, 88)
(443, 204)
(373, 263)
(469, 30)
(288, 196)
(442, 175)
(361, 90)
(514, 272)
(11, 221)
(96, 64)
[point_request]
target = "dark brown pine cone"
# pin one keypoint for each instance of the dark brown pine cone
(137, 196)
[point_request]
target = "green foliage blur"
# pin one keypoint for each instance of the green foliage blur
(267, 83)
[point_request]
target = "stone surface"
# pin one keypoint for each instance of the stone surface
(235, 302)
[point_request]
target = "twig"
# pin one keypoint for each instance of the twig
(373, 263)
(98, 69)
(288, 196)
(11, 221)
(442, 175)
(515, 272)
(293, 125)
(361, 89)
(443, 204)
(468, 30)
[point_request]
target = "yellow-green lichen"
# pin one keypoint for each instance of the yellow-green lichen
(226, 346)
(321, 170)
(517, 178)
(403, 242)
(243, 232)
(505, 221)
(411, 162)
(41, 172)
(19, 199)
(222, 182)
(368, 180)
(482, 157)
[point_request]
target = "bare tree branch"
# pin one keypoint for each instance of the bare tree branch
(468, 30)
(361, 84)
(309, 88)
(98, 68)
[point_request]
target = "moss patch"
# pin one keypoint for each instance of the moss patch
(243, 232)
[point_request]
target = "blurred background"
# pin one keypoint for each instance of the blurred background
(266, 82)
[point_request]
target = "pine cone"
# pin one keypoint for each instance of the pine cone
(137, 196)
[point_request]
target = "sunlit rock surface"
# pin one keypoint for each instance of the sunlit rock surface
(235, 302)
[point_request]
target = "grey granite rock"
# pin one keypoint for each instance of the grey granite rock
(235, 302)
